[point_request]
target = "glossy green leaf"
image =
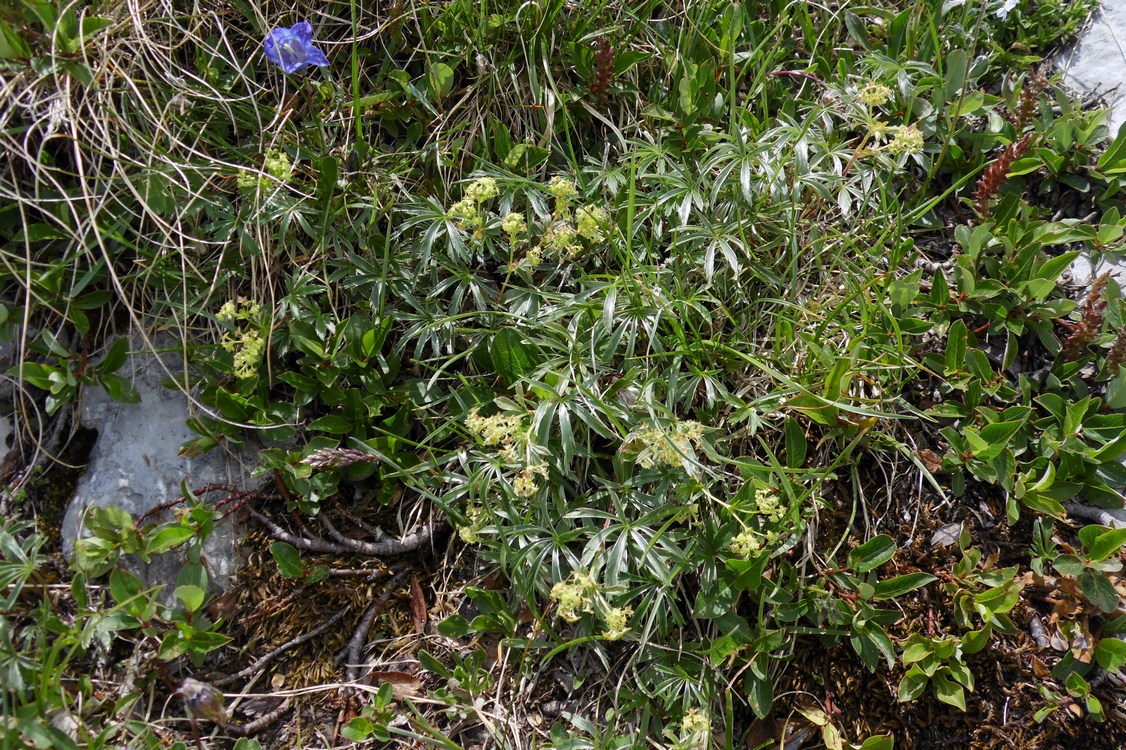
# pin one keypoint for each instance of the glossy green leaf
(872, 554)
(288, 559)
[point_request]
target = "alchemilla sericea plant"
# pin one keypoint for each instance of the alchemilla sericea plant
(671, 375)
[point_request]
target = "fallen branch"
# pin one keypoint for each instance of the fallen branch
(344, 545)
(262, 722)
(259, 665)
(1098, 515)
(359, 638)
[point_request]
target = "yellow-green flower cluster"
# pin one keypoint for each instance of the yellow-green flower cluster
(590, 220)
(247, 180)
(768, 504)
(908, 140)
(656, 447)
(695, 727)
(240, 309)
(561, 239)
(245, 343)
(475, 518)
(564, 191)
(277, 164)
(482, 190)
(617, 623)
(574, 596)
(463, 211)
(246, 346)
(514, 226)
(874, 94)
(499, 429)
(580, 595)
(746, 543)
(525, 484)
(533, 258)
(469, 211)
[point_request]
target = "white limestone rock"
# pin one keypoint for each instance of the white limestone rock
(135, 465)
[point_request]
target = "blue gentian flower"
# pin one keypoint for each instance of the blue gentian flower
(293, 48)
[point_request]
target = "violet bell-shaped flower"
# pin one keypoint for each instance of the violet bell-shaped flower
(293, 48)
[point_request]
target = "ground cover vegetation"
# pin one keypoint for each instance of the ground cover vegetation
(648, 374)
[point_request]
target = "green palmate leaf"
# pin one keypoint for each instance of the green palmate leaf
(288, 559)
(872, 554)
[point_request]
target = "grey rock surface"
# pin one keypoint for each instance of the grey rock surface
(135, 465)
(1096, 63)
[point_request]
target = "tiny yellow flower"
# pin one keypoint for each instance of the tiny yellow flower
(525, 484)
(533, 258)
(574, 596)
(874, 94)
(514, 225)
(482, 190)
(247, 180)
(562, 188)
(877, 129)
(745, 544)
(499, 429)
(694, 723)
(908, 140)
(464, 212)
(475, 515)
(769, 505)
(277, 164)
(561, 240)
(590, 220)
(617, 623)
